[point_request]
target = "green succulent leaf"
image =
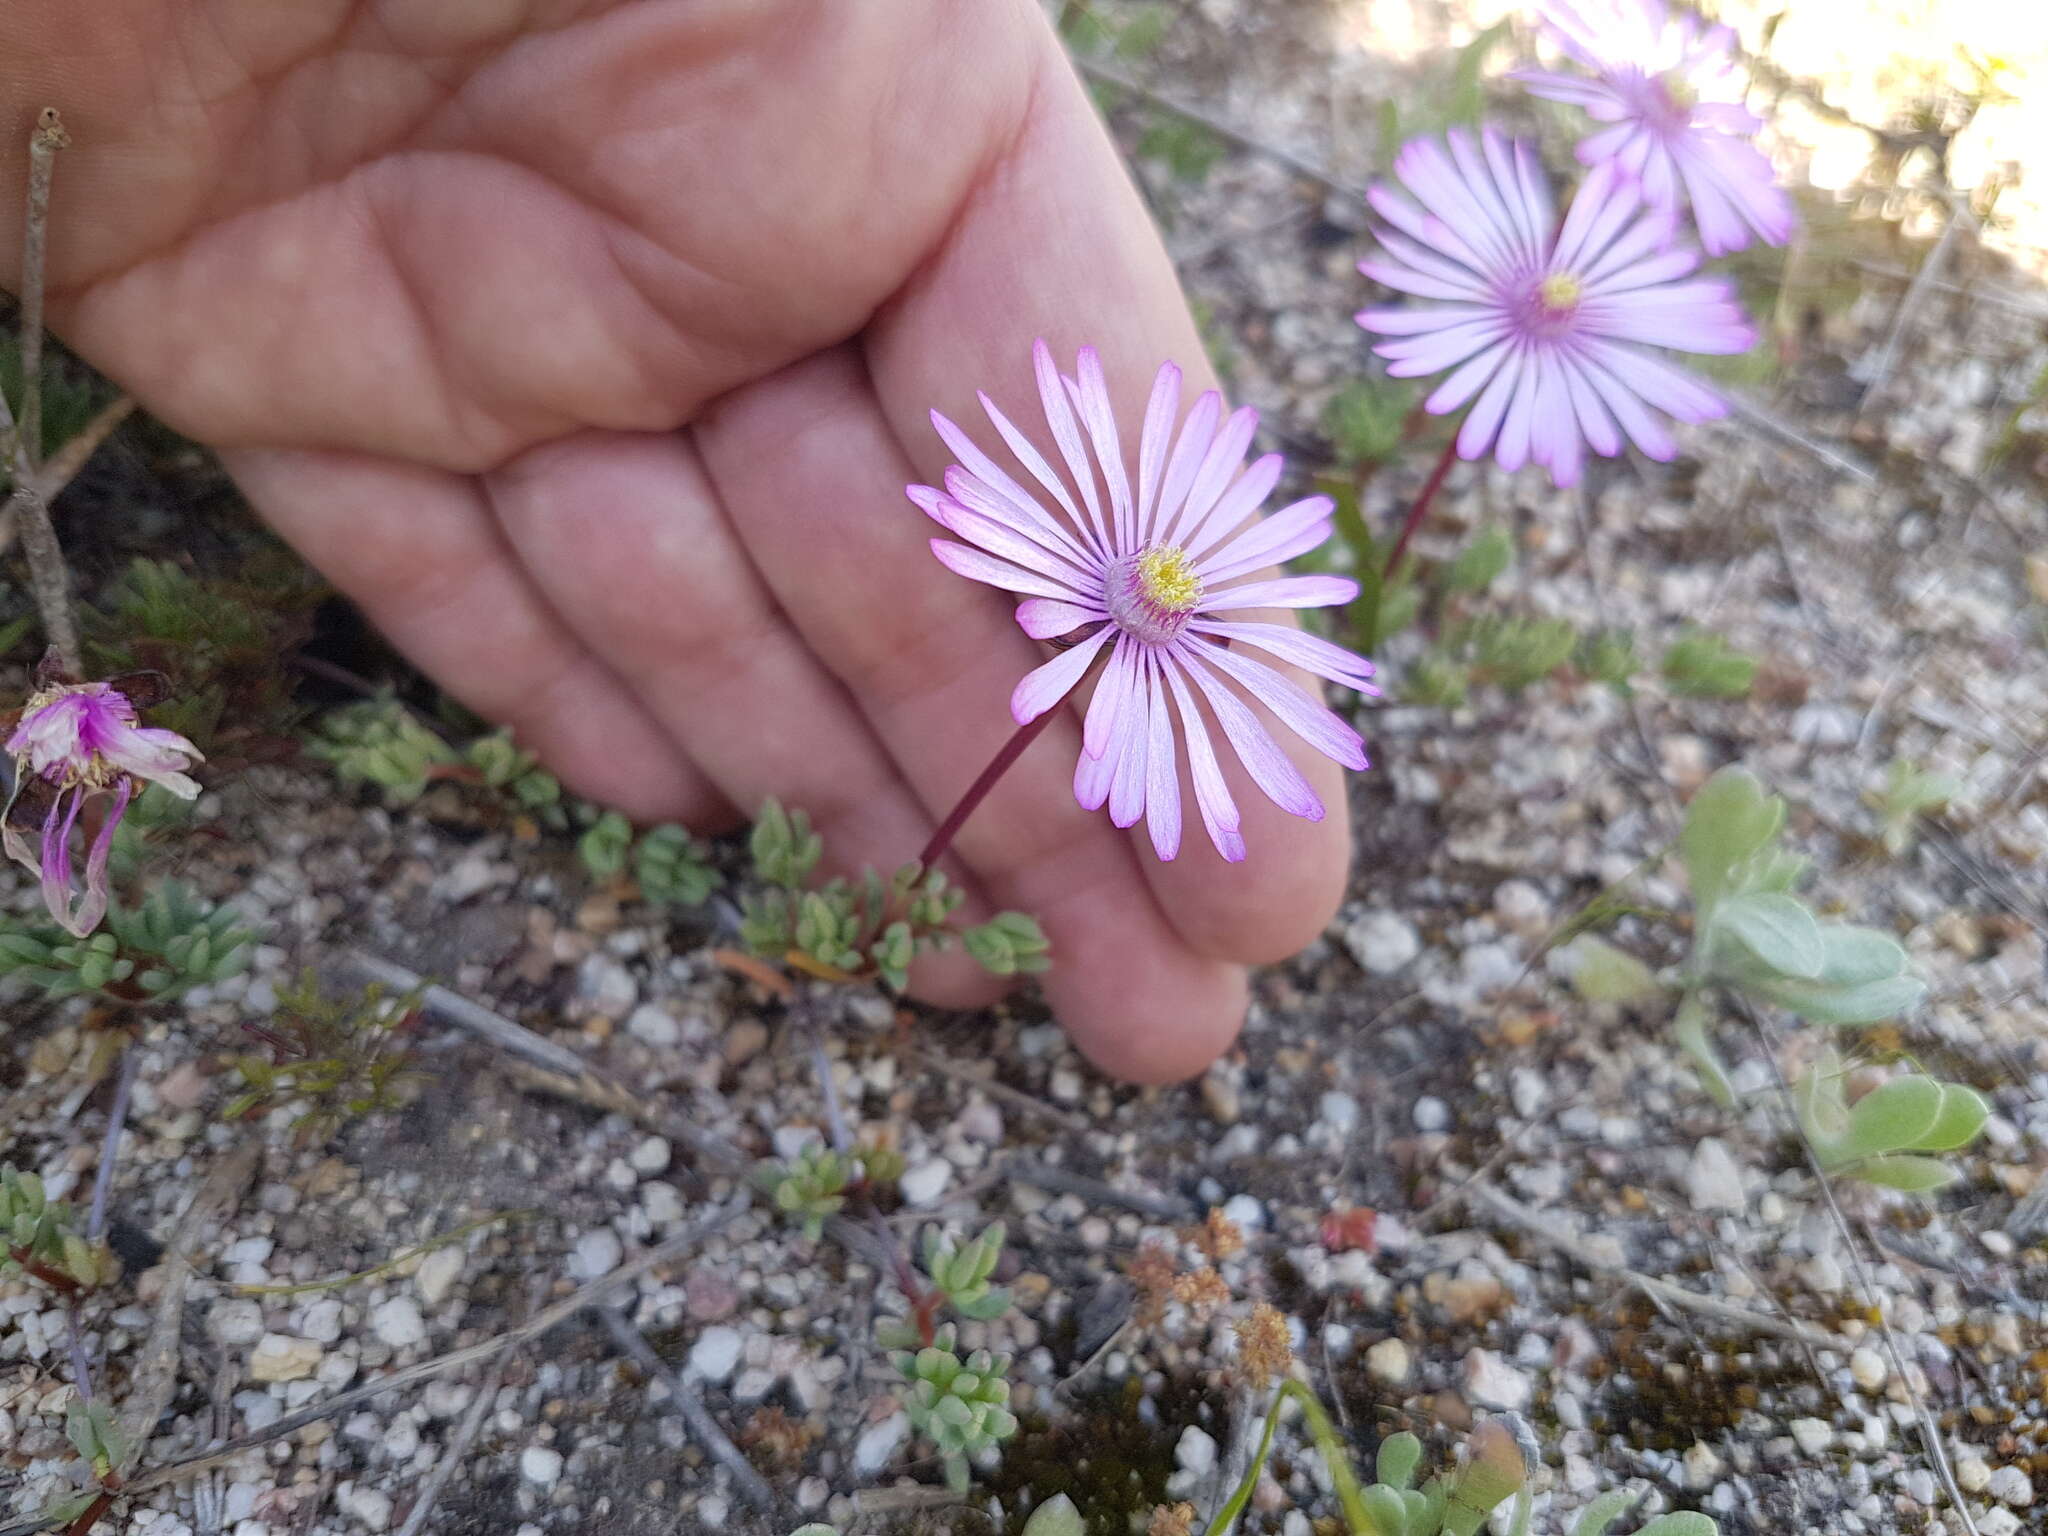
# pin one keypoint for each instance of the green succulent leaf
(1891, 1117)
(1603, 974)
(1057, 1516)
(1913, 1175)
(1729, 820)
(1821, 1003)
(1684, 1522)
(1602, 1512)
(1480, 563)
(1962, 1117)
(1778, 931)
(1399, 1456)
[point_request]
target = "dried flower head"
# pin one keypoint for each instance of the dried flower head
(1146, 577)
(1218, 1237)
(1667, 86)
(1152, 1273)
(1201, 1292)
(82, 741)
(1264, 1351)
(1171, 1520)
(1546, 325)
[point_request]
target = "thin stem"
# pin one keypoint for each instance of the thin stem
(43, 143)
(1419, 507)
(110, 1147)
(978, 791)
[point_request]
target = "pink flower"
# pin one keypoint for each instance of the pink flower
(1148, 576)
(1668, 86)
(83, 739)
(1546, 325)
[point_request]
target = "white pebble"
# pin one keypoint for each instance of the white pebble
(2011, 1485)
(924, 1184)
(437, 1274)
(368, 1507)
(1245, 1212)
(651, 1026)
(1339, 1111)
(1812, 1435)
(878, 1444)
(1387, 1362)
(598, 1252)
(1382, 942)
(715, 1353)
(1868, 1368)
(1432, 1115)
(1195, 1453)
(1714, 1180)
(652, 1155)
(1491, 1382)
(398, 1322)
(541, 1465)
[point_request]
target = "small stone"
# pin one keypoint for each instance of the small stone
(438, 1272)
(1703, 1466)
(1245, 1212)
(1521, 908)
(1387, 1362)
(1921, 1487)
(1195, 1452)
(1382, 941)
(398, 1322)
(598, 1252)
(2011, 1485)
(715, 1353)
(1998, 1522)
(1220, 1096)
(279, 1357)
(651, 1155)
(924, 1184)
(1868, 1368)
(1339, 1111)
(321, 1321)
(606, 988)
(744, 1041)
(2005, 1335)
(540, 1465)
(1713, 1179)
(1432, 1115)
(236, 1322)
(368, 1507)
(812, 1493)
(1973, 1474)
(1823, 1273)
(1812, 1435)
(259, 1410)
(878, 1444)
(1492, 1383)
(654, 1026)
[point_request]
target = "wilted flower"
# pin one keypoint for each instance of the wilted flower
(1149, 578)
(1545, 324)
(1668, 87)
(81, 739)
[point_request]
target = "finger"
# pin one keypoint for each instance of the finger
(1057, 244)
(628, 537)
(417, 550)
(814, 477)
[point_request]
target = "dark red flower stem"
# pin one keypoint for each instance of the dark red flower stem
(1419, 507)
(998, 765)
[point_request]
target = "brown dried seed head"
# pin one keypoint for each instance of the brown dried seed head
(1151, 1269)
(1263, 1350)
(1201, 1292)
(1217, 1237)
(1171, 1520)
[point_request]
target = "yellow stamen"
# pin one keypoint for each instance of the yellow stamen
(1168, 581)
(1560, 292)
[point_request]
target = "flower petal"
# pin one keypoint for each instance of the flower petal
(1311, 720)
(1046, 684)
(1311, 653)
(1277, 778)
(1042, 618)
(965, 560)
(1162, 770)
(1281, 592)
(1212, 794)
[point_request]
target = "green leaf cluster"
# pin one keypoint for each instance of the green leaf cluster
(380, 742)
(961, 1406)
(220, 642)
(43, 1236)
(1909, 793)
(95, 1433)
(809, 1187)
(1703, 665)
(1597, 1516)
(851, 929)
(962, 1273)
(346, 1058)
(153, 952)
(1367, 419)
(1883, 1138)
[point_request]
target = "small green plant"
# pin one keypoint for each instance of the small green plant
(1703, 665)
(1481, 562)
(217, 640)
(1885, 1136)
(961, 1274)
(96, 1435)
(382, 743)
(345, 1058)
(1752, 936)
(851, 930)
(42, 1238)
(809, 1187)
(674, 868)
(150, 953)
(1909, 793)
(605, 844)
(504, 766)
(961, 1406)
(1510, 651)
(1609, 656)
(1367, 419)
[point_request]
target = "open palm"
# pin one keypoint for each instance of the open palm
(588, 346)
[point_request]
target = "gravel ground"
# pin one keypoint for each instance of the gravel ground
(1527, 1154)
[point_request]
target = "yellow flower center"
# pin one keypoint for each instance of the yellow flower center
(1560, 293)
(1167, 579)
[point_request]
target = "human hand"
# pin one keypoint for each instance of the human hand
(589, 345)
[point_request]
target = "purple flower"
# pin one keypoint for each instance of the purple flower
(82, 738)
(1668, 87)
(1545, 324)
(1148, 578)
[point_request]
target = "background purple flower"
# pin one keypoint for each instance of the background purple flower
(82, 738)
(1668, 88)
(1545, 328)
(1146, 578)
